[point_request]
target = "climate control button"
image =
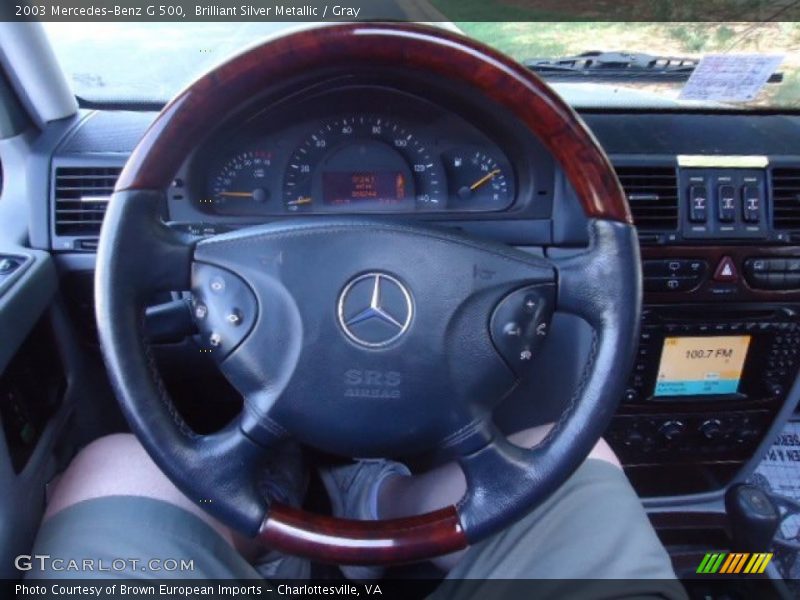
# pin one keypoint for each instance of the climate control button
(711, 429)
(770, 273)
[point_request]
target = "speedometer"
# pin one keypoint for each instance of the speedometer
(362, 163)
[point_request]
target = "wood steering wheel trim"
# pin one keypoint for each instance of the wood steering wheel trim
(342, 541)
(184, 122)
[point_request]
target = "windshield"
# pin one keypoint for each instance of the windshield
(152, 61)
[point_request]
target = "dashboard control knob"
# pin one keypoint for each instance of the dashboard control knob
(776, 390)
(711, 429)
(633, 438)
(670, 430)
(7, 265)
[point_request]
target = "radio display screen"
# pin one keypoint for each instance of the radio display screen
(698, 366)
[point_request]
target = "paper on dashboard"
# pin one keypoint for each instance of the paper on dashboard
(730, 77)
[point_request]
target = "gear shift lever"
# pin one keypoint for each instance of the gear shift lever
(753, 516)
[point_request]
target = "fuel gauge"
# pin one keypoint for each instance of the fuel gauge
(477, 181)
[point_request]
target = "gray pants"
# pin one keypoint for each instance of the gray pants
(593, 527)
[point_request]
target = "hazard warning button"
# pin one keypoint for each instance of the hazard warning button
(726, 270)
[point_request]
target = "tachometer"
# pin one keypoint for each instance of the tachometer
(242, 184)
(477, 181)
(362, 163)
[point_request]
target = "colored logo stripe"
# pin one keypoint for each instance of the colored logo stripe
(735, 562)
(711, 562)
(758, 563)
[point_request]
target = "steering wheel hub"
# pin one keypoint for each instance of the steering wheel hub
(375, 309)
(417, 369)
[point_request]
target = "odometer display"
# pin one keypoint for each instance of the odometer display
(384, 187)
(365, 163)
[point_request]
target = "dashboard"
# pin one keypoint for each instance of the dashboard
(392, 153)
(367, 150)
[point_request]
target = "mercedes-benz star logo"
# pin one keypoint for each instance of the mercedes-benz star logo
(375, 309)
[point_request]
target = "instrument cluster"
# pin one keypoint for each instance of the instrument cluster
(363, 151)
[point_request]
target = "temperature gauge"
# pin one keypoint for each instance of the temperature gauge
(477, 181)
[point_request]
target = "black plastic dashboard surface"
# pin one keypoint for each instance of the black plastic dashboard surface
(643, 138)
(674, 133)
(643, 133)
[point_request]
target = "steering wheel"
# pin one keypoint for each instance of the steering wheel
(367, 337)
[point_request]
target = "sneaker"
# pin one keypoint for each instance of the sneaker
(353, 491)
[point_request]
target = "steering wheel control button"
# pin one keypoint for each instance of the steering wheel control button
(217, 285)
(521, 322)
(234, 317)
(375, 309)
(224, 309)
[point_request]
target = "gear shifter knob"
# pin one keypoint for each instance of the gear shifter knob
(753, 516)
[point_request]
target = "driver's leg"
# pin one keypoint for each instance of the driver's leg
(113, 502)
(117, 465)
(401, 496)
(593, 527)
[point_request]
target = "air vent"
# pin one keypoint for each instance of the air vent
(653, 196)
(786, 198)
(81, 195)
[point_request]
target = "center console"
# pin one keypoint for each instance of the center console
(719, 347)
